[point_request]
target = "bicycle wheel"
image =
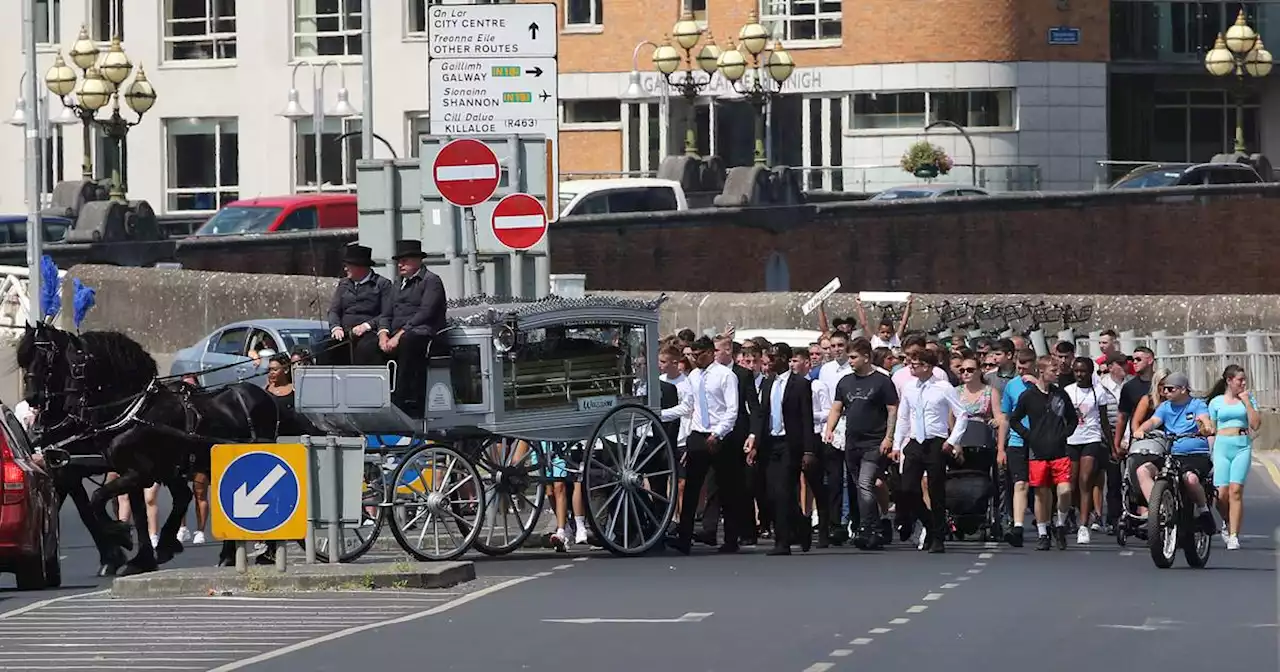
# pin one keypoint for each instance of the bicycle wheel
(515, 489)
(356, 541)
(436, 503)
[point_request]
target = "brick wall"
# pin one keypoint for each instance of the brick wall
(1208, 240)
(591, 151)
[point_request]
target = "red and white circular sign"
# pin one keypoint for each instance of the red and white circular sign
(466, 172)
(519, 221)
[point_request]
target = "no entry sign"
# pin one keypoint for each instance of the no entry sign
(519, 221)
(466, 172)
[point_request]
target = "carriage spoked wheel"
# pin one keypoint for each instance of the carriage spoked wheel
(356, 541)
(629, 472)
(437, 503)
(514, 475)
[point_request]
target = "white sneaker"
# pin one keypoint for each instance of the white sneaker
(814, 517)
(155, 540)
(198, 538)
(924, 538)
(559, 542)
(184, 535)
(1082, 537)
(1233, 542)
(580, 536)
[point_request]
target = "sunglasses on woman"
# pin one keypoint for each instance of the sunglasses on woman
(968, 369)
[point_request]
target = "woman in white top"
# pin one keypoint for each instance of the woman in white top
(1088, 445)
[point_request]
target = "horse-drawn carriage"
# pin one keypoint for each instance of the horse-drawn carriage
(520, 394)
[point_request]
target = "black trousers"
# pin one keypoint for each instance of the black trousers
(785, 466)
(833, 464)
(758, 496)
(728, 461)
(712, 513)
(1114, 505)
(865, 465)
(921, 459)
(410, 357)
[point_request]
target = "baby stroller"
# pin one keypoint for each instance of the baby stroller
(1153, 444)
(971, 492)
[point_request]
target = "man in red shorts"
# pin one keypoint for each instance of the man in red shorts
(1051, 419)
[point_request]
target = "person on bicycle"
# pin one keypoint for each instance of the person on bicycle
(1182, 414)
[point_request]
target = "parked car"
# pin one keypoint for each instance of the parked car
(798, 339)
(13, 229)
(613, 196)
(281, 214)
(29, 532)
(235, 346)
(1186, 175)
(927, 192)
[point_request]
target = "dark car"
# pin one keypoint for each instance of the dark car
(13, 229)
(1187, 175)
(29, 532)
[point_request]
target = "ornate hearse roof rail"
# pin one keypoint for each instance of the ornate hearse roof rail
(483, 310)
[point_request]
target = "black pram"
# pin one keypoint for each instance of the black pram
(971, 491)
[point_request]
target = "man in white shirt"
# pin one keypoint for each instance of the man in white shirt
(912, 346)
(833, 459)
(1115, 373)
(714, 417)
(678, 416)
(924, 441)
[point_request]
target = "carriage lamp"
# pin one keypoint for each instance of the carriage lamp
(1238, 52)
(768, 74)
(504, 338)
(102, 84)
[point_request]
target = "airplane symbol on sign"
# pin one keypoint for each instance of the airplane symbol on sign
(545, 96)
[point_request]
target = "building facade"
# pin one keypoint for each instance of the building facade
(1036, 85)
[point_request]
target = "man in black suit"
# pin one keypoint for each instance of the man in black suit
(782, 438)
(748, 399)
(359, 301)
(413, 316)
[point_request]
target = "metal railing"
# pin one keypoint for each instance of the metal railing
(873, 178)
(14, 301)
(607, 175)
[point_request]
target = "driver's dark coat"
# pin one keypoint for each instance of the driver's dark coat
(417, 305)
(355, 303)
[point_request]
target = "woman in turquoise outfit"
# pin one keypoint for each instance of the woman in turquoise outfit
(1235, 416)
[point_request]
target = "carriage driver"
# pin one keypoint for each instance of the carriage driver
(412, 316)
(359, 301)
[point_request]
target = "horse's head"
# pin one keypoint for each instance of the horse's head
(44, 356)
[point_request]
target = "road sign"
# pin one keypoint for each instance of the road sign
(466, 172)
(822, 295)
(260, 491)
(519, 221)
(488, 96)
(491, 31)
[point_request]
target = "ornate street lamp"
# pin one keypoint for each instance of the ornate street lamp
(759, 92)
(102, 84)
(1238, 52)
(667, 60)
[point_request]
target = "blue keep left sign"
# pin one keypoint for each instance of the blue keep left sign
(260, 492)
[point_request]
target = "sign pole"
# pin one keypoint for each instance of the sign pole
(335, 507)
(473, 256)
(33, 171)
(242, 558)
(282, 557)
(310, 537)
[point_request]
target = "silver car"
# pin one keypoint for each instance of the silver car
(927, 192)
(240, 351)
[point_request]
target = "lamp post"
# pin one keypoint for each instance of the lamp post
(733, 64)
(44, 128)
(667, 59)
(294, 110)
(1240, 51)
(634, 90)
(102, 83)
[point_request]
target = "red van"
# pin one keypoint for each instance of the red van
(280, 214)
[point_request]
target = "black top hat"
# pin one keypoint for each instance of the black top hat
(408, 248)
(358, 255)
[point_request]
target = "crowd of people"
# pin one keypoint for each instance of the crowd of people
(853, 438)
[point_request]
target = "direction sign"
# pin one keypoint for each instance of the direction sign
(260, 491)
(491, 31)
(466, 172)
(519, 221)
(488, 96)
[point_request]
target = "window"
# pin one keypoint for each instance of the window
(911, 109)
(326, 28)
(337, 157)
(203, 163)
(417, 124)
(106, 19)
(53, 165)
(230, 342)
(105, 154)
(603, 111)
(48, 21)
(643, 135)
(801, 20)
(698, 8)
(1194, 125)
(199, 30)
(302, 219)
(584, 12)
(416, 12)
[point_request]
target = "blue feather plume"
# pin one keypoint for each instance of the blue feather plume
(50, 291)
(83, 299)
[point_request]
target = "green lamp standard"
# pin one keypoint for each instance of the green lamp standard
(1240, 51)
(104, 74)
(667, 59)
(778, 65)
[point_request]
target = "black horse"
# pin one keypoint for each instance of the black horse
(160, 432)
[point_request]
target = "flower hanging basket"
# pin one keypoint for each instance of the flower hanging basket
(926, 160)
